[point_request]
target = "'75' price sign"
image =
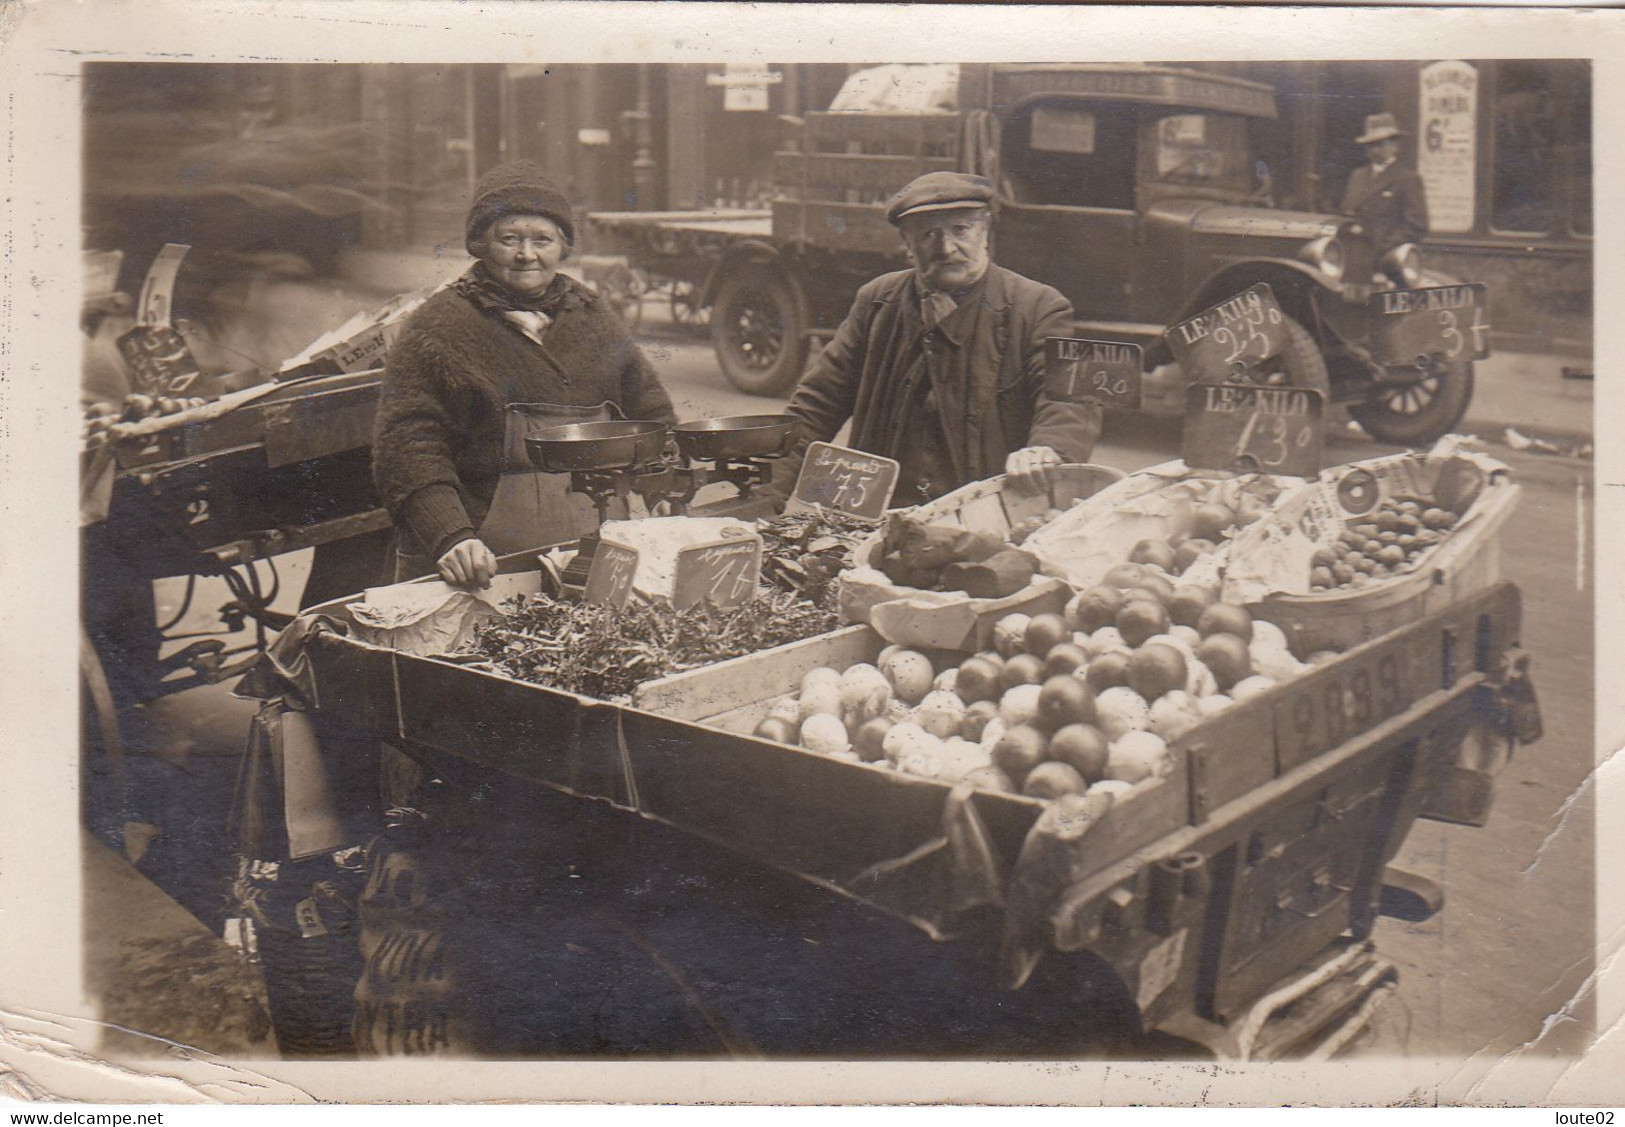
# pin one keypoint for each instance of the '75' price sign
(1449, 323)
(1077, 370)
(1252, 429)
(849, 481)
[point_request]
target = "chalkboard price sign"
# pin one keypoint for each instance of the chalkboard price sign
(160, 362)
(1252, 429)
(1077, 370)
(1441, 323)
(849, 481)
(1231, 338)
(609, 579)
(724, 573)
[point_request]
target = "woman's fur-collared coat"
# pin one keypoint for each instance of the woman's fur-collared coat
(449, 378)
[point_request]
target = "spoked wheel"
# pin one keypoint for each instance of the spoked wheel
(624, 289)
(758, 328)
(1415, 414)
(686, 307)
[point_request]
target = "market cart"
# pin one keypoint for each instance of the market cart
(216, 491)
(675, 253)
(1233, 899)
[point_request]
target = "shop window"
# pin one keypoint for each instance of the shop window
(1527, 149)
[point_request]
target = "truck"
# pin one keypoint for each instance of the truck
(1135, 190)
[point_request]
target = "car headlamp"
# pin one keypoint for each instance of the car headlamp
(1326, 255)
(1403, 264)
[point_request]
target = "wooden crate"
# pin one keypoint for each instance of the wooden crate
(1467, 562)
(957, 621)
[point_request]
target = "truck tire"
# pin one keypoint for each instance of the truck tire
(1418, 414)
(758, 328)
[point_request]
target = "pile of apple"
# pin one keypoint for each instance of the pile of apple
(1380, 544)
(1080, 702)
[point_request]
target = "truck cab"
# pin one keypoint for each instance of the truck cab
(1135, 190)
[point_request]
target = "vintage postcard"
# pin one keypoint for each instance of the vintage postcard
(686, 553)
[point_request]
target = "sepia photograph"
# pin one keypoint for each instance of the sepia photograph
(867, 553)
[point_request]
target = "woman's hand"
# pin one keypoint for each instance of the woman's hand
(1030, 462)
(469, 563)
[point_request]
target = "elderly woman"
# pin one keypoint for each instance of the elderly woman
(511, 347)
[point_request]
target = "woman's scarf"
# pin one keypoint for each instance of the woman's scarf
(530, 315)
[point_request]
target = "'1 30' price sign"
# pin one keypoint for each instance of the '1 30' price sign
(1103, 372)
(724, 573)
(849, 481)
(1448, 323)
(1252, 429)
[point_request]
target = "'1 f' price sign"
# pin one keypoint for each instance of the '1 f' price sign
(1252, 429)
(724, 573)
(1104, 372)
(1231, 339)
(609, 579)
(849, 481)
(1448, 323)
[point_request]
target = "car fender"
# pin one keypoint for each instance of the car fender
(1296, 286)
(1293, 283)
(749, 252)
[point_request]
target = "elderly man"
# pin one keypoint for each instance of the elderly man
(941, 367)
(1386, 196)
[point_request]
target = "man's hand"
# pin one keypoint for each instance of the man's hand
(469, 563)
(1030, 462)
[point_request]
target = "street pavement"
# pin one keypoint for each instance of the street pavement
(1498, 971)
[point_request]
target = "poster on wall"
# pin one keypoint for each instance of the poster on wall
(1447, 145)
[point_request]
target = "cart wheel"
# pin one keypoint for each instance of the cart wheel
(758, 329)
(624, 288)
(686, 307)
(1417, 414)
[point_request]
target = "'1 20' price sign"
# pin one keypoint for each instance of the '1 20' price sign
(724, 573)
(1103, 372)
(1252, 429)
(849, 481)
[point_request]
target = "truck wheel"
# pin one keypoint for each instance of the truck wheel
(1420, 413)
(758, 328)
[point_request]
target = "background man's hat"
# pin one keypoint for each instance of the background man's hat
(1379, 127)
(939, 191)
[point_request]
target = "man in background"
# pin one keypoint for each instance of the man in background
(1384, 195)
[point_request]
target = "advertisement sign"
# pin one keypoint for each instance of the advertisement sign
(1447, 144)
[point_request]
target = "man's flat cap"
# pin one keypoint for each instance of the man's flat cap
(939, 191)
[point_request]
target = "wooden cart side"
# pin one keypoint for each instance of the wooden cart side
(1204, 919)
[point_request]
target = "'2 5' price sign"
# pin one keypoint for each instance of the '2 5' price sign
(1078, 370)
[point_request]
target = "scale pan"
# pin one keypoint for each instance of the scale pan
(736, 436)
(615, 445)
